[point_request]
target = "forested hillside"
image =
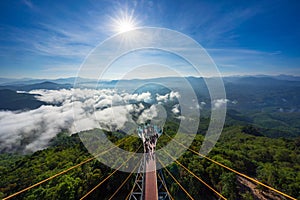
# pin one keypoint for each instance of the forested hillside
(11, 100)
(275, 162)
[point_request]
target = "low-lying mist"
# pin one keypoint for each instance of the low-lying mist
(75, 110)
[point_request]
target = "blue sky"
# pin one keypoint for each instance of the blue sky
(50, 39)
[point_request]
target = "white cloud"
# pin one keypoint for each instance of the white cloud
(36, 126)
(201, 106)
(114, 117)
(146, 97)
(223, 102)
(73, 110)
(52, 96)
(148, 114)
(175, 109)
(234, 102)
(181, 117)
(164, 98)
(168, 97)
(219, 103)
(139, 107)
(174, 95)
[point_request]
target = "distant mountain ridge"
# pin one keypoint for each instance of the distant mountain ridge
(29, 81)
(71, 80)
(43, 85)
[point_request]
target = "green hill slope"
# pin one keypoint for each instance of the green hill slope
(273, 161)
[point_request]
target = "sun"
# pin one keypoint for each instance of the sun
(124, 22)
(125, 25)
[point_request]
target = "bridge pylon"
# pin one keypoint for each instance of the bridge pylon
(149, 183)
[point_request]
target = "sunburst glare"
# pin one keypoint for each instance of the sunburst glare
(125, 22)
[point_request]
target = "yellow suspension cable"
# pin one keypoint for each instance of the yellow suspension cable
(186, 192)
(211, 188)
(58, 174)
(234, 171)
(165, 187)
(124, 181)
(88, 193)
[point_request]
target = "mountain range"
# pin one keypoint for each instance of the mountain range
(71, 80)
(270, 102)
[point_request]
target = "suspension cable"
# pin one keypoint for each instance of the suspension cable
(89, 192)
(60, 173)
(124, 181)
(185, 191)
(129, 193)
(234, 171)
(162, 182)
(199, 179)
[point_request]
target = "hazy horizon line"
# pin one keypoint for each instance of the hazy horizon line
(223, 76)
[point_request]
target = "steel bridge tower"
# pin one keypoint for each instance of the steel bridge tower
(149, 183)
